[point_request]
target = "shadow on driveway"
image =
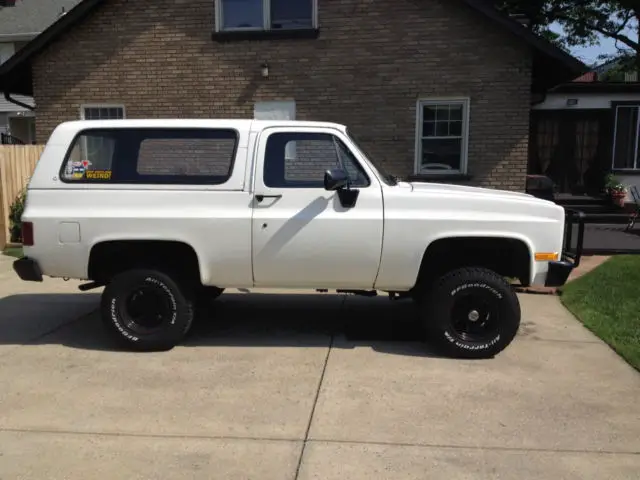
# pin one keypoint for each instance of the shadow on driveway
(235, 319)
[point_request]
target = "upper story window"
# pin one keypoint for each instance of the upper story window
(261, 15)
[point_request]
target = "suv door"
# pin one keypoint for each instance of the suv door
(303, 235)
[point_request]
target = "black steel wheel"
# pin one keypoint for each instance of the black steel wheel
(472, 313)
(146, 310)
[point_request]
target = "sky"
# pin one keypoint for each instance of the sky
(589, 55)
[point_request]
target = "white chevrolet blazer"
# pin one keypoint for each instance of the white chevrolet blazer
(166, 214)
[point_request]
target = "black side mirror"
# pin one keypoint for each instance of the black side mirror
(335, 179)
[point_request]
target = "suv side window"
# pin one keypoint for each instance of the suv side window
(299, 160)
(201, 156)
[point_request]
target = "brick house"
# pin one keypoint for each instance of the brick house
(435, 89)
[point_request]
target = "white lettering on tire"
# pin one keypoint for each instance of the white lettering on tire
(116, 321)
(476, 285)
(174, 306)
(465, 346)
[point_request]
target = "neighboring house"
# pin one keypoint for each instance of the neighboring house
(20, 22)
(438, 90)
(586, 129)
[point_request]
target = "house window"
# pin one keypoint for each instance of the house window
(625, 146)
(102, 112)
(442, 136)
(265, 14)
(100, 148)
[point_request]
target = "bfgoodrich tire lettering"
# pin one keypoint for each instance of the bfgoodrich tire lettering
(146, 310)
(472, 313)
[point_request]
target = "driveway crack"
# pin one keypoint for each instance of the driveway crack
(317, 395)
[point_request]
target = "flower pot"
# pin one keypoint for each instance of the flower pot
(618, 198)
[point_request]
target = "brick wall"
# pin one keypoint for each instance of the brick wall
(371, 63)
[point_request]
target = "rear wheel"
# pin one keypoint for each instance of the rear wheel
(472, 313)
(146, 310)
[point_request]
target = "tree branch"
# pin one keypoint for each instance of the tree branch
(616, 35)
(629, 15)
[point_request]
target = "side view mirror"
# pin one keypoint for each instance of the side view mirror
(335, 179)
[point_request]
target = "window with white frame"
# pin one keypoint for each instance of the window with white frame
(442, 136)
(625, 145)
(265, 14)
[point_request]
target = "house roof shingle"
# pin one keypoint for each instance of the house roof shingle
(15, 74)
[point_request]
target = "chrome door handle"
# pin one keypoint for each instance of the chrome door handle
(260, 198)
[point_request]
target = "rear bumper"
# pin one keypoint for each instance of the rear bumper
(559, 271)
(28, 270)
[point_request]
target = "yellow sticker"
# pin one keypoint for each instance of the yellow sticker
(98, 175)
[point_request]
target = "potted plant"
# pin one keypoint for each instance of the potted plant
(616, 190)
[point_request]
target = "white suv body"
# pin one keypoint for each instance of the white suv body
(259, 205)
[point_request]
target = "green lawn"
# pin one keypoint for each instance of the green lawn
(607, 301)
(13, 252)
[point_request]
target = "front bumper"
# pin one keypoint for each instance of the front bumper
(559, 271)
(28, 270)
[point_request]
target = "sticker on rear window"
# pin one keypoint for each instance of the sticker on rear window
(98, 175)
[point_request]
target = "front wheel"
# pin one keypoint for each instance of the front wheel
(146, 310)
(472, 313)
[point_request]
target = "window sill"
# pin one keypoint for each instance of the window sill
(630, 173)
(278, 34)
(443, 177)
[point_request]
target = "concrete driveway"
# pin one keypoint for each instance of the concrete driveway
(305, 386)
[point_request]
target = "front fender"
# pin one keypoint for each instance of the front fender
(402, 256)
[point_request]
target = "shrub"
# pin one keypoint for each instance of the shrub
(15, 216)
(613, 185)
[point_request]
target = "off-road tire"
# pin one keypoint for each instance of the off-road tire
(454, 295)
(173, 302)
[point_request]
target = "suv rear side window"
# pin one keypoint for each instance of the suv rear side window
(151, 156)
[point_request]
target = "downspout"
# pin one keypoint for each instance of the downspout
(8, 98)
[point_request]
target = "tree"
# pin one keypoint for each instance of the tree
(584, 23)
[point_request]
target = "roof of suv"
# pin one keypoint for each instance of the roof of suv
(247, 124)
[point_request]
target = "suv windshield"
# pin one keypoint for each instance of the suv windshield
(382, 173)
